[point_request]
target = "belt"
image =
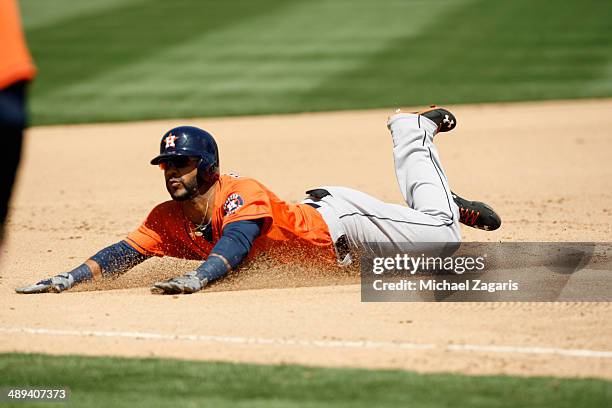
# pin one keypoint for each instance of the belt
(343, 249)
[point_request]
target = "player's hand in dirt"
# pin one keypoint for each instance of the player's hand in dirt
(188, 283)
(55, 284)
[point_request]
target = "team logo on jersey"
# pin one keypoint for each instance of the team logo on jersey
(232, 204)
(170, 140)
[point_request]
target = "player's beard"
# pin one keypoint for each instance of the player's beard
(189, 190)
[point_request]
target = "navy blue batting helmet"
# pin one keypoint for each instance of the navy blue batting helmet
(192, 142)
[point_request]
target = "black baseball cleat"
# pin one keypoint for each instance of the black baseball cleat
(443, 118)
(476, 214)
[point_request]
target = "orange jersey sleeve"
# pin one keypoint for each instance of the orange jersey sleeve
(15, 60)
(243, 199)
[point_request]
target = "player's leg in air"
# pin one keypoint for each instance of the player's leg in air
(431, 215)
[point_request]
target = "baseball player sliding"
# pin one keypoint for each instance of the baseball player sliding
(225, 219)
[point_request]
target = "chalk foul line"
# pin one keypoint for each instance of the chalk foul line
(347, 344)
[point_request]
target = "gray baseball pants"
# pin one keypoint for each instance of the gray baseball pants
(431, 215)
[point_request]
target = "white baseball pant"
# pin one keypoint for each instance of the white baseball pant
(431, 214)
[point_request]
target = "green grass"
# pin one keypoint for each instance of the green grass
(117, 382)
(144, 59)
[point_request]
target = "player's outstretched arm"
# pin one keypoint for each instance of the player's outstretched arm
(233, 246)
(115, 259)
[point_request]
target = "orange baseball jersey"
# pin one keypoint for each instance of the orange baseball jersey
(289, 232)
(15, 61)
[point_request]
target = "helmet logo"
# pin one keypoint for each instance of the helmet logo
(170, 140)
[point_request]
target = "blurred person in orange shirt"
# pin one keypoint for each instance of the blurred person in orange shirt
(16, 70)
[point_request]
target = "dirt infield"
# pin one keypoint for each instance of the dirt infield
(545, 168)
